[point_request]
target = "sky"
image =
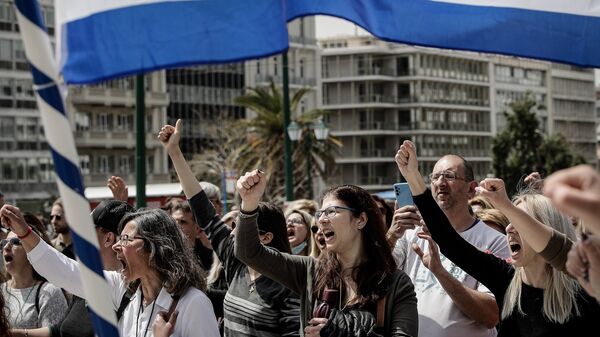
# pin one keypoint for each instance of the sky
(328, 26)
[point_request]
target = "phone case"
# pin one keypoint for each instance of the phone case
(403, 195)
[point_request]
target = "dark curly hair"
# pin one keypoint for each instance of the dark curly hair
(172, 259)
(373, 274)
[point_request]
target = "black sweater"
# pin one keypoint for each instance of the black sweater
(496, 274)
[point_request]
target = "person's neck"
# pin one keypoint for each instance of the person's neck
(22, 280)
(460, 218)
(151, 286)
(535, 273)
(253, 274)
(351, 258)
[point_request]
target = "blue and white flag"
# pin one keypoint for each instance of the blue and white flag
(101, 39)
(565, 31)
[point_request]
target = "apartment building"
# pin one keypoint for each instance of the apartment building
(203, 97)
(102, 119)
(304, 64)
(381, 93)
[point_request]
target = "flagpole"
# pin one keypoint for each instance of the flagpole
(66, 164)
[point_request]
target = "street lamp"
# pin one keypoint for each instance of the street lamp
(295, 133)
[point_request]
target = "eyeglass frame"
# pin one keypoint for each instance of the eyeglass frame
(294, 222)
(13, 241)
(444, 175)
(320, 212)
(126, 239)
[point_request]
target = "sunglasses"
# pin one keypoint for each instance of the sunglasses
(57, 216)
(12, 241)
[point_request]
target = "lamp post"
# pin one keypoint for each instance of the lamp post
(320, 133)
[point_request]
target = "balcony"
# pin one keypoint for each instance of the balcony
(480, 127)
(369, 99)
(115, 96)
(293, 80)
(99, 179)
(303, 40)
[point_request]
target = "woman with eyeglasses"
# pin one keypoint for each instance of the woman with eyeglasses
(298, 230)
(254, 304)
(31, 302)
(156, 266)
(374, 298)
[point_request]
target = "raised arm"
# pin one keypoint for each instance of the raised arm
(50, 263)
(203, 209)
(169, 136)
(289, 270)
(540, 237)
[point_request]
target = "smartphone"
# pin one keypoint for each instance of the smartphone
(403, 195)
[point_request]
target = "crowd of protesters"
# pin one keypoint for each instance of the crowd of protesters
(462, 260)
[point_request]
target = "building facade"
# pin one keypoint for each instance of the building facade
(379, 94)
(101, 116)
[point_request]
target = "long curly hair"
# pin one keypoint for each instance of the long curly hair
(172, 259)
(372, 276)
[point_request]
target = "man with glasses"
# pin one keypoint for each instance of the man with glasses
(63, 241)
(450, 302)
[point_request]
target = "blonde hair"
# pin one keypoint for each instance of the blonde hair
(307, 219)
(493, 215)
(307, 205)
(481, 201)
(560, 290)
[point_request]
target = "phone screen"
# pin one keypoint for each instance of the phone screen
(403, 195)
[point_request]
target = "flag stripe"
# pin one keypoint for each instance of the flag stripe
(144, 38)
(520, 32)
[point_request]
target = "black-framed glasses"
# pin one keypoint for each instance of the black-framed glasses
(448, 175)
(12, 241)
(57, 216)
(124, 239)
(331, 211)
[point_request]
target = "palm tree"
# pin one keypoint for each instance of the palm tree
(265, 142)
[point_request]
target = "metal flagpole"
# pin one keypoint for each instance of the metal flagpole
(64, 154)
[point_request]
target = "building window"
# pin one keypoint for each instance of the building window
(124, 165)
(123, 122)
(84, 164)
(102, 122)
(103, 164)
(82, 121)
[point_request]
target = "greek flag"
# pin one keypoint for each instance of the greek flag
(101, 39)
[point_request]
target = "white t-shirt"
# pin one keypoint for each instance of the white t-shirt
(438, 316)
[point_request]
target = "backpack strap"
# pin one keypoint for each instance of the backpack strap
(37, 297)
(124, 303)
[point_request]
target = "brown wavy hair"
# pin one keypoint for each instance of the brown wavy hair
(372, 276)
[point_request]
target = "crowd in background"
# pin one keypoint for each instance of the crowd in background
(463, 259)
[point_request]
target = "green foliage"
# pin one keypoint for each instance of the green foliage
(521, 148)
(264, 142)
